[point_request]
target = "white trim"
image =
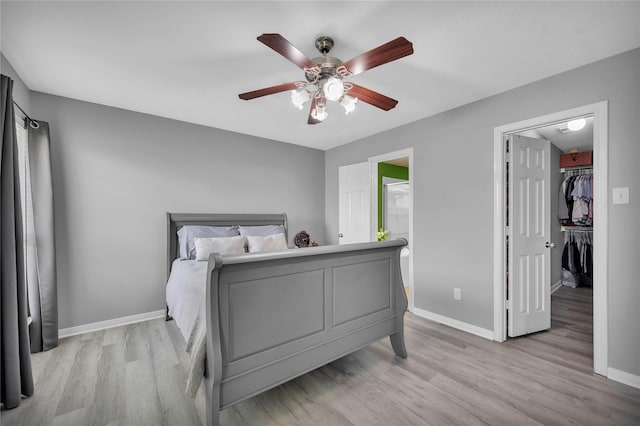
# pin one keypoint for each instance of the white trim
(499, 294)
(374, 203)
(601, 237)
(116, 322)
(555, 287)
(600, 259)
(466, 327)
(624, 377)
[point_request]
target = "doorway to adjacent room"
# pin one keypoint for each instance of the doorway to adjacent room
(392, 186)
(376, 194)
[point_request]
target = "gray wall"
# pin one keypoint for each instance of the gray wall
(116, 173)
(21, 92)
(453, 181)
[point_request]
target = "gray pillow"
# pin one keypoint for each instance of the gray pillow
(261, 230)
(187, 233)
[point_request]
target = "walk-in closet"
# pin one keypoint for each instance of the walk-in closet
(571, 237)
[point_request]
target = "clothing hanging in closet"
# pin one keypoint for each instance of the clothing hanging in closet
(575, 200)
(577, 260)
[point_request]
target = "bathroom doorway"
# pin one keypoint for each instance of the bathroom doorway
(392, 206)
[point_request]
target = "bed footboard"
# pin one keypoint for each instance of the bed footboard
(272, 317)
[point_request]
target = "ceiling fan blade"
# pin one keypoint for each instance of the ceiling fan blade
(311, 120)
(268, 91)
(395, 49)
(373, 98)
(286, 49)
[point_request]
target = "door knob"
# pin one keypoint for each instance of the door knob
(549, 245)
(340, 235)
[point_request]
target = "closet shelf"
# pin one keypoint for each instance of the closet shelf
(569, 169)
(576, 228)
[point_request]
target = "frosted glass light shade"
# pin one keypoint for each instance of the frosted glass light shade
(299, 97)
(319, 113)
(348, 103)
(333, 89)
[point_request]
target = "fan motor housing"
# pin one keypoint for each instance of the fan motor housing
(327, 65)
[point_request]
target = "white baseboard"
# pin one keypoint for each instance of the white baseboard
(556, 286)
(469, 328)
(624, 377)
(116, 322)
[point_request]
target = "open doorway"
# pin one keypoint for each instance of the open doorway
(507, 283)
(392, 206)
(565, 312)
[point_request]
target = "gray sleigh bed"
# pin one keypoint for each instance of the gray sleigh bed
(271, 317)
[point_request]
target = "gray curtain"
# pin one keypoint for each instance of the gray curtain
(40, 244)
(16, 378)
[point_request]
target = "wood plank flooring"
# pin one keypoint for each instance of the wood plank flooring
(135, 375)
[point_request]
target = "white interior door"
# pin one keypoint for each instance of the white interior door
(354, 187)
(529, 278)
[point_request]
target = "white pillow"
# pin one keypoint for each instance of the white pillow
(275, 242)
(224, 245)
(187, 233)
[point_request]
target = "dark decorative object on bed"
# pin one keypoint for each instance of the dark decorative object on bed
(302, 239)
(256, 337)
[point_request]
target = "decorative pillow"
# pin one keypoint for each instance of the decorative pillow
(261, 230)
(225, 246)
(187, 233)
(258, 244)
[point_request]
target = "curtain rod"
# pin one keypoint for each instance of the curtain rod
(33, 123)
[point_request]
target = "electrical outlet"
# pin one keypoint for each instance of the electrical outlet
(457, 294)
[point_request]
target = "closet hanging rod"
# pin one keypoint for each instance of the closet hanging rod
(576, 228)
(33, 123)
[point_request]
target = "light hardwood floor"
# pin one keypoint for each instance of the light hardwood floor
(135, 375)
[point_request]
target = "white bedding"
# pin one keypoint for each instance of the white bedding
(186, 301)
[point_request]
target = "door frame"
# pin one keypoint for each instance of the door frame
(599, 111)
(373, 161)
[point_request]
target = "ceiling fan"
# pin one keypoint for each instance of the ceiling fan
(324, 75)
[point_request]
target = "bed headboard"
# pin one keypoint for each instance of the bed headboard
(176, 220)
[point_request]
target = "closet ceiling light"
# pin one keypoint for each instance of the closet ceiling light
(575, 125)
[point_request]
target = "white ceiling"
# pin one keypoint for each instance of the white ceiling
(567, 140)
(190, 60)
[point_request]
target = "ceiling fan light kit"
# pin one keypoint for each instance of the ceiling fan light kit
(348, 103)
(319, 113)
(324, 76)
(299, 97)
(333, 89)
